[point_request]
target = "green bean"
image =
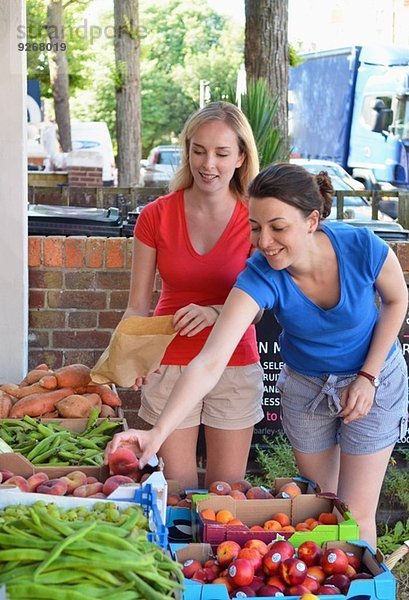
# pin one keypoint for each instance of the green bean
(20, 555)
(42, 592)
(58, 549)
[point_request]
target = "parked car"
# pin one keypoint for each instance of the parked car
(158, 169)
(355, 207)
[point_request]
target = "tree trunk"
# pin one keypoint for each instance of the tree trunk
(58, 65)
(127, 83)
(266, 53)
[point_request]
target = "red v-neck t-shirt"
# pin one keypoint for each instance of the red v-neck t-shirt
(189, 277)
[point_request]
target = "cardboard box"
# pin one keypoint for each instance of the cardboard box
(381, 587)
(256, 512)
(19, 465)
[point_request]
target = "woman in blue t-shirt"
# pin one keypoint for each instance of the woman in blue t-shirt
(343, 386)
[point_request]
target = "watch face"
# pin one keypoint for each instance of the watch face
(376, 382)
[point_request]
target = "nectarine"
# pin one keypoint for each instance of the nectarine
(221, 488)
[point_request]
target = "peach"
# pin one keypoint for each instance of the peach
(288, 528)
(253, 556)
(6, 475)
(258, 545)
(289, 490)
(225, 581)
(55, 487)
(172, 499)
(123, 462)
(185, 503)
(19, 482)
(190, 567)
(226, 552)
(115, 481)
(242, 486)
(90, 479)
(221, 488)
(98, 495)
(258, 493)
(35, 480)
(237, 495)
(89, 489)
(74, 480)
(317, 572)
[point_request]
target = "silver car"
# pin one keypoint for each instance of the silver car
(158, 169)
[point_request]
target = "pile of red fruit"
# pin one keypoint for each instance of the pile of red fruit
(240, 490)
(277, 569)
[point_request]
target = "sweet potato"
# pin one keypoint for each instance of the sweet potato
(49, 382)
(36, 405)
(51, 415)
(29, 390)
(5, 404)
(33, 376)
(9, 388)
(107, 394)
(41, 367)
(107, 411)
(77, 406)
(74, 376)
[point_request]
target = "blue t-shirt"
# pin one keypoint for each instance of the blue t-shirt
(315, 341)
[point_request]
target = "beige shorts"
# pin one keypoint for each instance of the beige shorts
(235, 402)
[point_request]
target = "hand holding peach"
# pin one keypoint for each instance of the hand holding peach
(144, 444)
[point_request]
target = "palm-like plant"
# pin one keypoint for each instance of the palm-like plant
(259, 106)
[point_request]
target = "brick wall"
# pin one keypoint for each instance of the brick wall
(78, 291)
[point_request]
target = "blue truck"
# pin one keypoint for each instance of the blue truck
(351, 105)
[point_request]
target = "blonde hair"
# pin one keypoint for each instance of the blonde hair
(236, 120)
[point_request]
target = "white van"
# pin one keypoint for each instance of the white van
(94, 135)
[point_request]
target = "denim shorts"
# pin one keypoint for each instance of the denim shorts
(234, 403)
(310, 407)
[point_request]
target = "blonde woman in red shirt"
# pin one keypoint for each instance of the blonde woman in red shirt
(198, 238)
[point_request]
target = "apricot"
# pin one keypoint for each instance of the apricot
(313, 525)
(256, 528)
(237, 495)
(55, 487)
(74, 480)
(288, 528)
(309, 521)
(302, 527)
(221, 488)
(89, 489)
(272, 525)
(242, 486)
(224, 516)
(19, 482)
(235, 522)
(327, 518)
(282, 518)
(258, 493)
(209, 514)
(115, 481)
(35, 480)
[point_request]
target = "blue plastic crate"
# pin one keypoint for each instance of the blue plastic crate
(147, 498)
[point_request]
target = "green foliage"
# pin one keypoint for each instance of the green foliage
(393, 537)
(275, 459)
(396, 483)
(260, 106)
(184, 44)
(80, 54)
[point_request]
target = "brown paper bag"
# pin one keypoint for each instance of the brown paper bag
(135, 350)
